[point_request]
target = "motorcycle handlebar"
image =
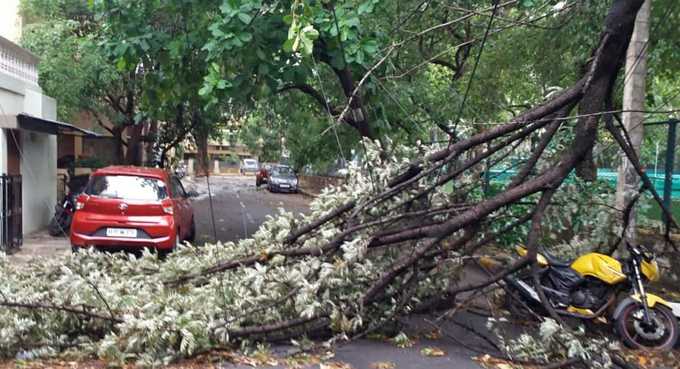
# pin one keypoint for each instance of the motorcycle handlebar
(640, 251)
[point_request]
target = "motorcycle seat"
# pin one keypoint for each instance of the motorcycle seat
(554, 260)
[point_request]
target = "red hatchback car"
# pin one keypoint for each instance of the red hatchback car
(133, 207)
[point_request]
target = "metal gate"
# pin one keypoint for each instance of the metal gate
(11, 230)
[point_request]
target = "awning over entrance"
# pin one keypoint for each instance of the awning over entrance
(30, 123)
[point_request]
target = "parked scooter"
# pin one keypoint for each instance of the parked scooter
(60, 223)
(597, 286)
(63, 213)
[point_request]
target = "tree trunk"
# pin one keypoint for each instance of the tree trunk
(120, 144)
(151, 156)
(628, 181)
(134, 148)
(201, 135)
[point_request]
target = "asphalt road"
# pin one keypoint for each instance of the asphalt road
(239, 207)
(379, 353)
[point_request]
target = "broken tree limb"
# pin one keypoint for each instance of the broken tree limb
(634, 160)
(67, 309)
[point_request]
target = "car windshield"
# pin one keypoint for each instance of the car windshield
(283, 171)
(250, 162)
(127, 188)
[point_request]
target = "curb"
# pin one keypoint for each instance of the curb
(307, 193)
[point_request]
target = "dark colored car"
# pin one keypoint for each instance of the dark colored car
(282, 179)
(133, 207)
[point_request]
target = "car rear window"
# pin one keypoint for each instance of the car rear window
(283, 171)
(127, 188)
(250, 162)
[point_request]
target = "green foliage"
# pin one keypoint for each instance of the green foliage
(311, 142)
(212, 56)
(72, 68)
(93, 163)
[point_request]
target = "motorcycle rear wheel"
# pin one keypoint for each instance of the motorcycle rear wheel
(635, 336)
(59, 224)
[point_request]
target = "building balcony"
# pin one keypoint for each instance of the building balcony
(18, 62)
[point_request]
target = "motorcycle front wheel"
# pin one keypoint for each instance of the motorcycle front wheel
(660, 334)
(59, 224)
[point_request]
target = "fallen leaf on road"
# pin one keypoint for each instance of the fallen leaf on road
(335, 365)
(434, 334)
(383, 365)
(432, 352)
(402, 340)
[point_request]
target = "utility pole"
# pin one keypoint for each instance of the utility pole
(628, 181)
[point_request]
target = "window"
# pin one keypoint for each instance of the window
(127, 188)
(177, 188)
(283, 171)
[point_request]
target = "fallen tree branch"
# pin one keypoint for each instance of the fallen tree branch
(66, 309)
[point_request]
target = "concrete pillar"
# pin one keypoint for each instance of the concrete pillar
(190, 167)
(216, 167)
(77, 146)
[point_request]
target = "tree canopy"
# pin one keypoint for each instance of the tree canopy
(406, 70)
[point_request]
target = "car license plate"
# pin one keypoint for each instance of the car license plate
(121, 232)
(285, 185)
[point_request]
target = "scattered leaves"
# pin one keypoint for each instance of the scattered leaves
(402, 340)
(434, 334)
(432, 352)
(383, 365)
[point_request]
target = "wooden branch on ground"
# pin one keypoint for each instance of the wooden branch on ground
(274, 327)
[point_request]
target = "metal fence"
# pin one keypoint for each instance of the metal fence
(11, 231)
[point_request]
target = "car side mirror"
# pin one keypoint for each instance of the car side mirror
(192, 193)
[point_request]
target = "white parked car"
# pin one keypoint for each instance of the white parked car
(249, 166)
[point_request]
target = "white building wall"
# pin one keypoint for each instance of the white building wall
(11, 103)
(38, 150)
(10, 21)
(38, 165)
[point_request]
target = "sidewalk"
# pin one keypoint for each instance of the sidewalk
(41, 244)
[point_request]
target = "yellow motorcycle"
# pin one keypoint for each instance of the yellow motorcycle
(597, 286)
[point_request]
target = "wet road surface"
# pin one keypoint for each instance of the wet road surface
(238, 206)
